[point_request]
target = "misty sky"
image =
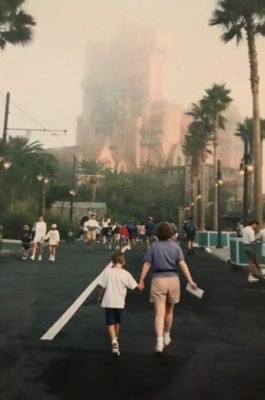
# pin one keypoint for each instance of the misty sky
(44, 79)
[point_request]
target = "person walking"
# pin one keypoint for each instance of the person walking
(190, 229)
(25, 241)
(105, 223)
(114, 283)
(53, 237)
(150, 228)
(249, 240)
(39, 230)
(162, 258)
(91, 227)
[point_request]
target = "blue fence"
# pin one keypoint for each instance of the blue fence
(238, 255)
(209, 238)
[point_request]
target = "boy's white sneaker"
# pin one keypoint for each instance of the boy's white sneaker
(32, 258)
(39, 258)
(50, 258)
(115, 348)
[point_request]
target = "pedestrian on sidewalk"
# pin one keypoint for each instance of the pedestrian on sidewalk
(190, 229)
(249, 240)
(91, 227)
(163, 257)
(26, 238)
(114, 283)
(39, 230)
(53, 237)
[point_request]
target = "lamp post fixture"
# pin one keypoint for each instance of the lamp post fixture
(72, 194)
(218, 184)
(246, 167)
(44, 181)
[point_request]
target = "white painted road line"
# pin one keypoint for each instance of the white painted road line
(67, 315)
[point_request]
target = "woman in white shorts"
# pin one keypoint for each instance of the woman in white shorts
(39, 229)
(163, 257)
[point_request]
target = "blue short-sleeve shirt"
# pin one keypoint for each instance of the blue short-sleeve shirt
(164, 256)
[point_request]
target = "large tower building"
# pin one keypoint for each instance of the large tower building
(125, 119)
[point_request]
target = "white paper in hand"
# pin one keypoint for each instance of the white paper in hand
(196, 292)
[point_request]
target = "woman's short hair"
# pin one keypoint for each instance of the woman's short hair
(164, 231)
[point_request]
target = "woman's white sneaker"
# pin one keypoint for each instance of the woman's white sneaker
(159, 345)
(166, 339)
(252, 279)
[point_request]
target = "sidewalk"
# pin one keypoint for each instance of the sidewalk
(223, 253)
(10, 247)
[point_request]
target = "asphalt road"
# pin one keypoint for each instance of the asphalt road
(217, 351)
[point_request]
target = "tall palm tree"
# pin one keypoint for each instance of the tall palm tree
(239, 18)
(94, 169)
(245, 132)
(215, 102)
(195, 146)
(15, 24)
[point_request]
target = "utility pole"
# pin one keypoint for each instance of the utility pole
(72, 192)
(4, 140)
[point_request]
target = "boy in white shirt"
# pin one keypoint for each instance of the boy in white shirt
(114, 283)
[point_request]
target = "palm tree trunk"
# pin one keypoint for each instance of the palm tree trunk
(257, 150)
(194, 196)
(215, 145)
(202, 201)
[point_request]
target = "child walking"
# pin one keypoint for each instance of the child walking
(114, 283)
(53, 237)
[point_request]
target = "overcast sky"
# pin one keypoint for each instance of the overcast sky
(44, 78)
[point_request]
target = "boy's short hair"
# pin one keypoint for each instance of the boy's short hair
(118, 257)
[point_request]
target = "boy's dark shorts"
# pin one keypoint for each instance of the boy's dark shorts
(113, 316)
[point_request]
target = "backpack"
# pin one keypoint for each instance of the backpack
(190, 228)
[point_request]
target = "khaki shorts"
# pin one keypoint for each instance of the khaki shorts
(165, 289)
(91, 234)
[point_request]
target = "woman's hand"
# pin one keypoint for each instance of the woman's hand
(193, 285)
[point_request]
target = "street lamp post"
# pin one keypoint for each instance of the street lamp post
(246, 167)
(199, 203)
(72, 194)
(44, 181)
(219, 182)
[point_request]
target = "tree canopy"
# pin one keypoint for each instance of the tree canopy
(15, 24)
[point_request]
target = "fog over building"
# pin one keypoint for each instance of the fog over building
(126, 119)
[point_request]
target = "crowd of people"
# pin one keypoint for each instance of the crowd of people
(38, 235)
(115, 235)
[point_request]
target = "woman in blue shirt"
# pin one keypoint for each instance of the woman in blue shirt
(163, 257)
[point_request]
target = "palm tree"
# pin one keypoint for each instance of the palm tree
(240, 18)
(244, 131)
(28, 161)
(94, 169)
(195, 146)
(215, 102)
(15, 24)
